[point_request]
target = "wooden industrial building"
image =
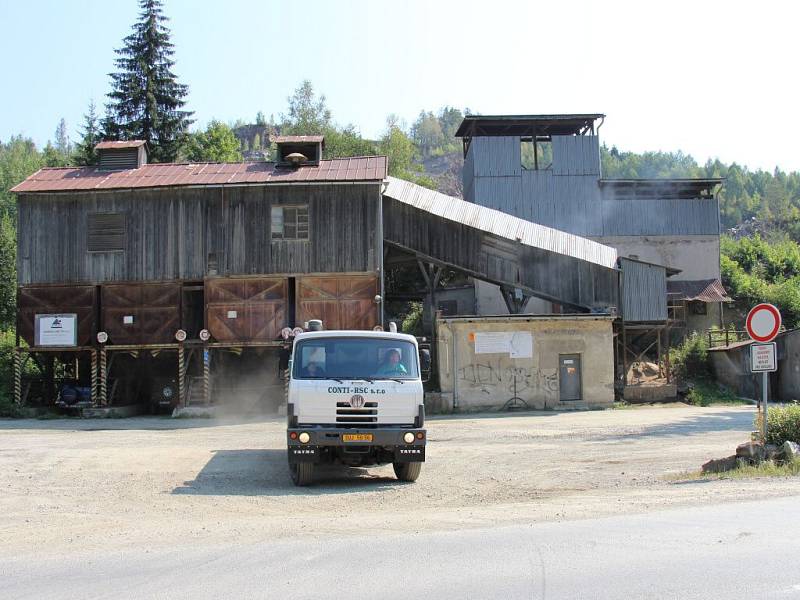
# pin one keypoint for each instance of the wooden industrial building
(182, 277)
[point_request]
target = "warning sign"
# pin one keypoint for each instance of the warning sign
(763, 358)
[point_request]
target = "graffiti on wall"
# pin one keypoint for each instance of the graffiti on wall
(512, 381)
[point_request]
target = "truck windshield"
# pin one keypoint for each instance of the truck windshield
(355, 358)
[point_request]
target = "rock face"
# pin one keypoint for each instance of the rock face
(720, 465)
(751, 451)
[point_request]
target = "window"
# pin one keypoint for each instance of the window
(354, 358)
(536, 155)
(106, 232)
(290, 222)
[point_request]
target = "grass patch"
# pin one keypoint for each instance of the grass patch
(767, 468)
(622, 406)
(706, 392)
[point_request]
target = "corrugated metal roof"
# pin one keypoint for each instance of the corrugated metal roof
(366, 168)
(500, 223)
(490, 125)
(119, 145)
(297, 139)
(704, 290)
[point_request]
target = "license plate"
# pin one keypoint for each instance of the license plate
(356, 437)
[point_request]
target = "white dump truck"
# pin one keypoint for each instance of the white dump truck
(355, 398)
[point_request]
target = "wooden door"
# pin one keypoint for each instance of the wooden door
(141, 313)
(341, 302)
(247, 309)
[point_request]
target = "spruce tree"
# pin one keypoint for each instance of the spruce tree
(146, 100)
(84, 151)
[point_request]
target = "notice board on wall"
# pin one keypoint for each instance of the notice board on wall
(56, 330)
(517, 344)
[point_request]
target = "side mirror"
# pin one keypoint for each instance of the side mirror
(289, 368)
(425, 363)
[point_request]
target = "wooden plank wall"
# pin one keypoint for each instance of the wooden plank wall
(172, 233)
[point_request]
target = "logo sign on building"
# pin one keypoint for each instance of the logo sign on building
(56, 330)
(763, 358)
(763, 322)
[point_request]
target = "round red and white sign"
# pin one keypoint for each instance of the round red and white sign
(763, 322)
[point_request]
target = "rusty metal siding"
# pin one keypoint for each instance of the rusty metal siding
(644, 291)
(175, 233)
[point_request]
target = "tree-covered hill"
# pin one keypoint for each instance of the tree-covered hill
(760, 210)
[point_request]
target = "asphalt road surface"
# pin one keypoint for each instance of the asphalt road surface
(739, 550)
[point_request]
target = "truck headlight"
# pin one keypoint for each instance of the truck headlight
(408, 438)
(304, 438)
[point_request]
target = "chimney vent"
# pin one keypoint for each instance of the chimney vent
(297, 150)
(117, 156)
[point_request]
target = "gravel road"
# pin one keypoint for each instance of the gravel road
(155, 483)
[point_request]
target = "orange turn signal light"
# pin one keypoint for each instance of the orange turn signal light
(293, 435)
(420, 435)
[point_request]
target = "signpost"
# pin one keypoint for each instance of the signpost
(763, 324)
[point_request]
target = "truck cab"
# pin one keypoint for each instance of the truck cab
(355, 398)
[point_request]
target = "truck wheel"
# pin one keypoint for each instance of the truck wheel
(302, 473)
(407, 471)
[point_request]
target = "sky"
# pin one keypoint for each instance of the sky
(699, 76)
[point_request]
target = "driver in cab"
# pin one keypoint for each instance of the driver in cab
(391, 364)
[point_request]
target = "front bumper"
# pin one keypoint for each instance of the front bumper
(385, 439)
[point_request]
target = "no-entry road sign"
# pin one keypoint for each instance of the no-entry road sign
(763, 322)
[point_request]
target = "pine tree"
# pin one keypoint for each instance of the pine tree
(63, 145)
(84, 151)
(146, 99)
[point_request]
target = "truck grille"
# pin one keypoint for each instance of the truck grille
(365, 416)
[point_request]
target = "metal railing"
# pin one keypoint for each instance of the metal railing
(725, 337)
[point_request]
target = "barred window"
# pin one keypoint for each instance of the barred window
(106, 232)
(290, 222)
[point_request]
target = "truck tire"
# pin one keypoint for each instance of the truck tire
(407, 471)
(302, 473)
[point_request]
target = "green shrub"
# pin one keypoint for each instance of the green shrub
(412, 324)
(690, 359)
(783, 424)
(7, 343)
(705, 392)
